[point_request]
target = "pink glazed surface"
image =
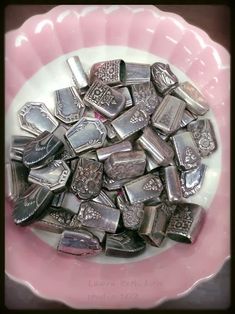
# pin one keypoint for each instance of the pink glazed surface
(81, 283)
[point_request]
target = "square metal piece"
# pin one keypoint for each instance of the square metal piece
(155, 221)
(35, 118)
(69, 107)
(146, 95)
(185, 223)
(99, 216)
(168, 114)
(79, 76)
(195, 101)
(105, 99)
(204, 136)
(186, 151)
(130, 121)
(163, 78)
(124, 165)
(143, 188)
(110, 72)
(87, 133)
(137, 73)
(87, 178)
(104, 152)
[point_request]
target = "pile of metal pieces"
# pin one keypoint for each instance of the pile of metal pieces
(122, 180)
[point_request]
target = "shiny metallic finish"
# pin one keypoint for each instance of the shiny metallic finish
(79, 242)
(125, 244)
(192, 180)
(35, 118)
(104, 152)
(32, 204)
(69, 106)
(137, 73)
(195, 102)
(54, 176)
(163, 78)
(151, 163)
(186, 151)
(57, 200)
(132, 214)
(130, 121)
(168, 114)
(87, 178)
(111, 133)
(187, 118)
(105, 99)
(145, 95)
(103, 198)
(87, 133)
(125, 165)
(204, 136)
(69, 201)
(17, 146)
(99, 216)
(153, 227)
(128, 99)
(17, 179)
(143, 188)
(50, 223)
(109, 72)
(185, 223)
(79, 76)
(42, 150)
(173, 187)
(160, 150)
(68, 153)
(112, 185)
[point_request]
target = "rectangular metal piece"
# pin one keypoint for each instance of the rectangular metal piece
(87, 133)
(163, 78)
(110, 72)
(191, 180)
(105, 99)
(35, 118)
(57, 200)
(130, 121)
(126, 93)
(125, 165)
(79, 242)
(112, 185)
(160, 150)
(151, 163)
(204, 136)
(187, 118)
(103, 198)
(173, 187)
(53, 176)
(153, 227)
(185, 223)
(17, 179)
(99, 216)
(71, 203)
(132, 214)
(68, 153)
(143, 188)
(186, 151)
(104, 152)
(87, 178)
(137, 73)
(69, 107)
(195, 102)
(168, 114)
(145, 95)
(79, 76)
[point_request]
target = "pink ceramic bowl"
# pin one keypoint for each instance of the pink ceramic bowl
(35, 67)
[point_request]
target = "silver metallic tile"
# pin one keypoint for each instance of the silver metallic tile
(35, 118)
(137, 73)
(104, 152)
(173, 186)
(79, 76)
